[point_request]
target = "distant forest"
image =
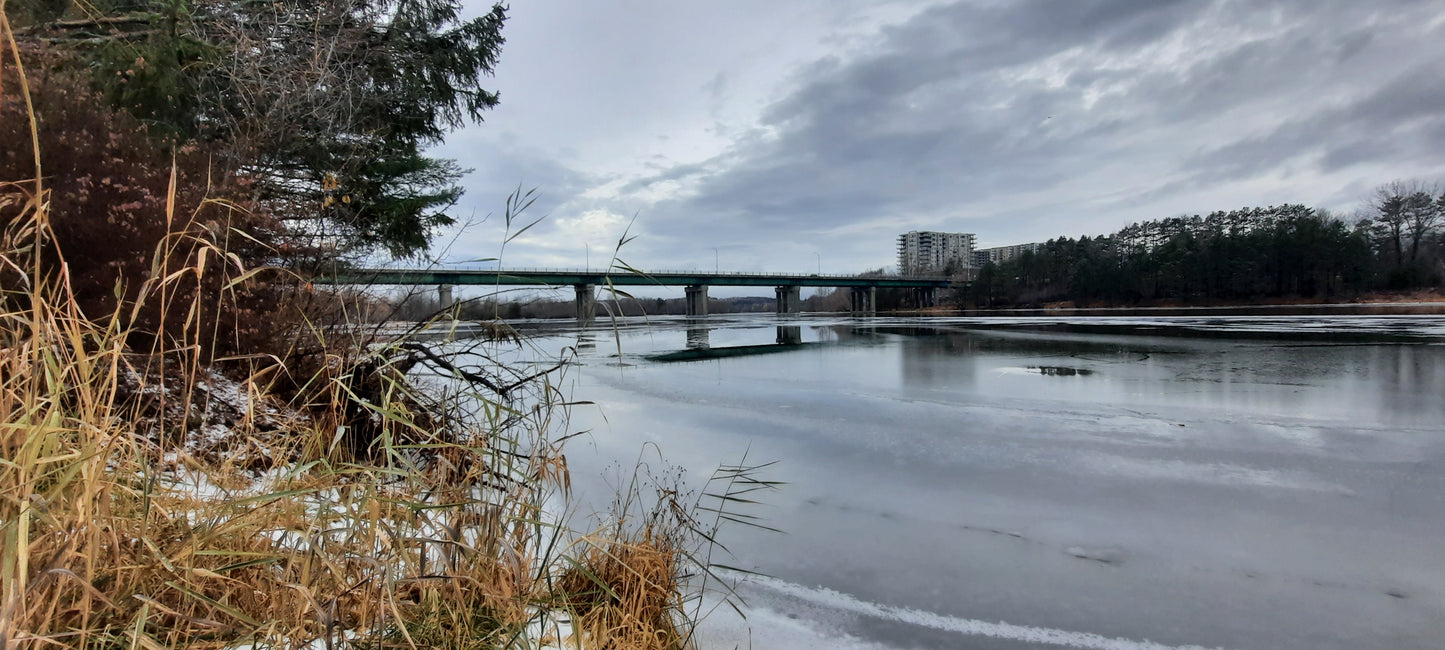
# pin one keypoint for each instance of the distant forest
(1248, 254)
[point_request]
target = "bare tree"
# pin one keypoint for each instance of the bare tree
(1422, 215)
(1404, 215)
(1388, 220)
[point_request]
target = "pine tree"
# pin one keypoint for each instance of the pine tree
(325, 105)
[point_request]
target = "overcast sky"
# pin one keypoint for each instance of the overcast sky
(784, 135)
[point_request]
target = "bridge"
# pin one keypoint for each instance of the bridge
(787, 286)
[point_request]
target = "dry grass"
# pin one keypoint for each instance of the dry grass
(626, 593)
(430, 530)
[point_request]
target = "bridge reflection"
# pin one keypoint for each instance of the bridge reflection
(697, 334)
(698, 344)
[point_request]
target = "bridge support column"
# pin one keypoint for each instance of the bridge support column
(586, 303)
(789, 299)
(696, 300)
(790, 334)
(864, 301)
(444, 296)
(923, 298)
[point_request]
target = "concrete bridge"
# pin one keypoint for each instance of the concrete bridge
(787, 286)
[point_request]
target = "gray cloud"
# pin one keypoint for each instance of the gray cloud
(500, 168)
(1399, 122)
(1026, 120)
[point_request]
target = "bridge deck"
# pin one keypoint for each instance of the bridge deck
(519, 277)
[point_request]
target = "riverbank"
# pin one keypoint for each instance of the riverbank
(1415, 296)
(1406, 303)
(372, 491)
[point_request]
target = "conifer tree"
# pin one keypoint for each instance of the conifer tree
(326, 106)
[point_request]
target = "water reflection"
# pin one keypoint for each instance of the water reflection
(1407, 378)
(1394, 382)
(697, 334)
(698, 346)
(1391, 370)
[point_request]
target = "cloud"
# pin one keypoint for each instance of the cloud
(1026, 120)
(599, 229)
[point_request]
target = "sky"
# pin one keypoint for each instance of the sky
(805, 136)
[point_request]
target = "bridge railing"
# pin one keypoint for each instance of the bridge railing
(517, 270)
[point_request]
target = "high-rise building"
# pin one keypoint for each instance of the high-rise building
(1001, 254)
(923, 252)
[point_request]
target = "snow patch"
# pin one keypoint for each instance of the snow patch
(963, 626)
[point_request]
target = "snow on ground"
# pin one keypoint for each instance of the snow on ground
(769, 628)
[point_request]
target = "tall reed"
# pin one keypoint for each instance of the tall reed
(375, 508)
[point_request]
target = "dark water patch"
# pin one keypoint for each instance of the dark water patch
(701, 354)
(1061, 371)
(1108, 555)
(970, 340)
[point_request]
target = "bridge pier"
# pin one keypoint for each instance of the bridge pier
(789, 299)
(696, 300)
(586, 303)
(864, 297)
(864, 301)
(790, 335)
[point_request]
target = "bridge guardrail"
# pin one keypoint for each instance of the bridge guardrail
(644, 272)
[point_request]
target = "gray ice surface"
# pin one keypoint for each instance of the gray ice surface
(1132, 482)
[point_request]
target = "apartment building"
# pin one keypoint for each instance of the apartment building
(924, 252)
(1001, 254)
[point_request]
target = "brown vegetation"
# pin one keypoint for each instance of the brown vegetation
(319, 496)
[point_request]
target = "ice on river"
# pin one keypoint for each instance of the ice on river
(1131, 482)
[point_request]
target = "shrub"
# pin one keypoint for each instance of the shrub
(130, 210)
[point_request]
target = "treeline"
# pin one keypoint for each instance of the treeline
(1239, 255)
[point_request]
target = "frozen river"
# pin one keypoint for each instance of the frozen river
(1233, 482)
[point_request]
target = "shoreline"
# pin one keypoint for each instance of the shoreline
(1378, 304)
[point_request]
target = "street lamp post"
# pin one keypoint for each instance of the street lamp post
(820, 262)
(715, 266)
